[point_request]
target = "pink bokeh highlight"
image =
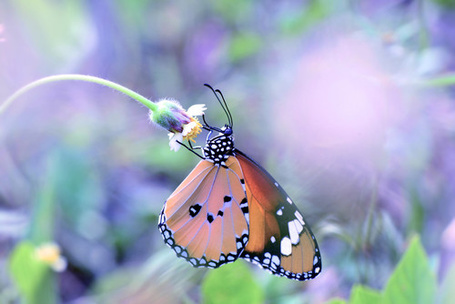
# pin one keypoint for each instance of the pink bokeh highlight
(339, 101)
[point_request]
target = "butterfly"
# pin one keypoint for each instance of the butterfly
(229, 207)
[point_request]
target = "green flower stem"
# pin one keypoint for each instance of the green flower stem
(149, 104)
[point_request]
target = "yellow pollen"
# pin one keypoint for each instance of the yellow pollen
(194, 131)
(48, 253)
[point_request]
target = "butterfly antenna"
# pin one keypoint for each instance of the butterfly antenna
(209, 127)
(228, 112)
(221, 103)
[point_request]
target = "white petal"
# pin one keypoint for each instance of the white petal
(196, 110)
(173, 144)
(188, 127)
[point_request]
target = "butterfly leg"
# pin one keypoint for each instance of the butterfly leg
(191, 149)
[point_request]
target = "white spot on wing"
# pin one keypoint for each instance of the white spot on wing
(276, 184)
(276, 260)
(299, 217)
(279, 212)
(298, 226)
(273, 239)
(289, 200)
(286, 246)
(293, 233)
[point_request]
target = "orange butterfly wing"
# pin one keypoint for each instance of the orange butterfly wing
(205, 220)
(279, 239)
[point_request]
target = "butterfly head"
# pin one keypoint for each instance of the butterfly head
(227, 130)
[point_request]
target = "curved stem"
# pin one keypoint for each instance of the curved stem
(149, 104)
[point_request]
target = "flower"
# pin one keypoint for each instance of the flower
(182, 124)
(50, 254)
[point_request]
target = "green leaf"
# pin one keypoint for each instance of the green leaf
(337, 301)
(232, 283)
(33, 278)
(41, 228)
(446, 4)
(417, 213)
(412, 281)
(446, 292)
(361, 294)
(234, 11)
(299, 20)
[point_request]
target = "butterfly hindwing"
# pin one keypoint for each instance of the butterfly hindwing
(280, 240)
(205, 220)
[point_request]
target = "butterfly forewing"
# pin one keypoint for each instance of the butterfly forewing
(205, 220)
(280, 240)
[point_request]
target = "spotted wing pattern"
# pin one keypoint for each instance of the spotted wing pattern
(279, 238)
(205, 220)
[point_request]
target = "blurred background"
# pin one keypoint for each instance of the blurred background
(339, 100)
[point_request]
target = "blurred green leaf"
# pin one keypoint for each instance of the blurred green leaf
(232, 283)
(417, 214)
(33, 278)
(244, 45)
(412, 281)
(336, 301)
(448, 4)
(361, 294)
(234, 11)
(42, 223)
(446, 294)
(298, 21)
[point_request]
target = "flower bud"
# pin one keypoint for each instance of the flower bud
(170, 115)
(182, 124)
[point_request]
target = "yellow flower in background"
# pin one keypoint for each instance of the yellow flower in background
(50, 254)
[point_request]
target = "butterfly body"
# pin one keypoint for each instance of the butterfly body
(229, 207)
